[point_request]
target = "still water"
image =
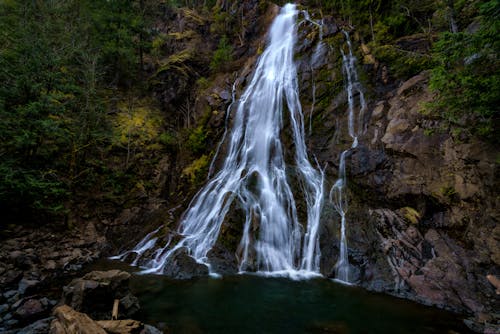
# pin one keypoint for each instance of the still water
(252, 304)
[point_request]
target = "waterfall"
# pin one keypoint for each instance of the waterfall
(254, 173)
(317, 55)
(355, 128)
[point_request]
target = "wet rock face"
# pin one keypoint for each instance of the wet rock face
(421, 219)
(181, 266)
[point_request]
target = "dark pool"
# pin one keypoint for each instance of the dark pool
(252, 304)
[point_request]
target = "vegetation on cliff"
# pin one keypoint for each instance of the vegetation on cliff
(457, 40)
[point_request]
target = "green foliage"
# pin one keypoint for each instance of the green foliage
(202, 83)
(57, 58)
(137, 127)
(222, 55)
(177, 62)
(168, 139)
(197, 171)
(467, 77)
(411, 215)
(115, 27)
(403, 64)
(197, 140)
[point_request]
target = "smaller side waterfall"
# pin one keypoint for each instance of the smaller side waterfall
(355, 128)
(317, 55)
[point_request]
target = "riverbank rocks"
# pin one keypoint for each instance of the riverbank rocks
(95, 292)
(88, 301)
(70, 321)
(31, 308)
(33, 259)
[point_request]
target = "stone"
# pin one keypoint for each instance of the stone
(14, 255)
(121, 326)
(50, 265)
(11, 277)
(31, 309)
(70, 321)
(11, 322)
(41, 326)
(378, 111)
(412, 84)
(95, 292)
(183, 266)
(495, 282)
(10, 294)
(148, 329)
(130, 303)
(4, 308)
(27, 285)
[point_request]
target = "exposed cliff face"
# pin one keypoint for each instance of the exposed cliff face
(422, 218)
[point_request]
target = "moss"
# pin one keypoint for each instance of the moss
(177, 62)
(448, 192)
(202, 83)
(410, 214)
(402, 64)
(196, 172)
(197, 139)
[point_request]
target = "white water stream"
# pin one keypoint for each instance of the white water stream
(355, 127)
(255, 174)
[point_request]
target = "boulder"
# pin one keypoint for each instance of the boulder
(183, 266)
(41, 326)
(95, 292)
(31, 308)
(69, 321)
(121, 326)
(27, 285)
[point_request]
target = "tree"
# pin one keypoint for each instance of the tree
(467, 77)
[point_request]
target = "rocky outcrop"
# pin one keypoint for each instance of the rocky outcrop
(70, 321)
(422, 222)
(87, 305)
(182, 266)
(95, 292)
(32, 259)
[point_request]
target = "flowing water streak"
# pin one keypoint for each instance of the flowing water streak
(317, 54)
(146, 243)
(254, 174)
(226, 123)
(355, 128)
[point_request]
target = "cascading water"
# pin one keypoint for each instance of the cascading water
(317, 55)
(355, 128)
(254, 173)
